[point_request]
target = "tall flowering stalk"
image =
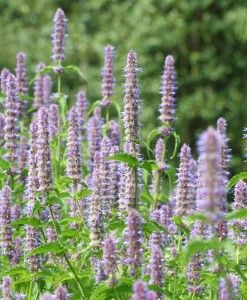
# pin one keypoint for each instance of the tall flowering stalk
(53, 120)
(156, 269)
(6, 288)
(107, 74)
(81, 106)
(44, 167)
(113, 178)
(58, 36)
(22, 153)
(46, 89)
(94, 136)
(5, 222)
(110, 259)
(11, 119)
(4, 78)
(114, 133)
(141, 292)
(61, 293)
(95, 214)
(134, 241)
(2, 123)
(185, 190)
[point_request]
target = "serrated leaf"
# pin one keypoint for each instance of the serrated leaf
(53, 200)
(235, 179)
(237, 214)
(48, 248)
(28, 221)
(148, 166)
(177, 142)
(152, 226)
(83, 193)
(198, 217)
(155, 132)
(129, 159)
(100, 292)
(76, 70)
(116, 224)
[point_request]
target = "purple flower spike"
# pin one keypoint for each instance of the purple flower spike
(2, 123)
(16, 251)
(47, 296)
(44, 167)
(53, 120)
(20, 297)
(107, 74)
(32, 242)
(81, 106)
(109, 258)
(58, 37)
(15, 212)
(131, 99)
(4, 78)
(134, 241)
(46, 89)
(114, 133)
(32, 179)
(211, 185)
(73, 147)
(95, 214)
(225, 289)
(22, 153)
(38, 88)
(140, 291)
(185, 191)
(5, 222)
(61, 293)
(159, 155)
(6, 288)
(21, 74)
(168, 93)
(156, 265)
(12, 113)
(240, 195)
(94, 135)
(225, 151)
(113, 178)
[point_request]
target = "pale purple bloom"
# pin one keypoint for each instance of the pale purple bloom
(22, 153)
(58, 37)
(61, 293)
(6, 288)
(114, 133)
(131, 99)
(73, 147)
(168, 93)
(2, 123)
(16, 254)
(53, 120)
(133, 240)
(185, 190)
(225, 289)
(113, 178)
(109, 258)
(81, 106)
(15, 212)
(32, 241)
(94, 135)
(44, 166)
(38, 88)
(20, 297)
(47, 296)
(11, 119)
(140, 291)
(107, 74)
(5, 222)
(159, 154)
(4, 77)
(156, 265)
(46, 89)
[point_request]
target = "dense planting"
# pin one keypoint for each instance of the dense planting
(90, 209)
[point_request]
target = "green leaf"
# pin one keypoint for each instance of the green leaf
(198, 217)
(148, 166)
(126, 158)
(4, 164)
(151, 226)
(235, 179)
(237, 214)
(177, 142)
(155, 132)
(116, 224)
(28, 221)
(76, 70)
(48, 248)
(196, 246)
(93, 106)
(100, 292)
(83, 193)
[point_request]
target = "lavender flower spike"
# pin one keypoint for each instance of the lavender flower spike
(16, 255)
(2, 123)
(156, 265)
(44, 167)
(140, 291)
(109, 258)
(108, 78)
(6, 288)
(5, 222)
(168, 93)
(212, 188)
(73, 147)
(12, 113)
(61, 293)
(38, 88)
(21, 74)
(58, 37)
(134, 241)
(81, 105)
(225, 289)
(22, 153)
(131, 99)
(53, 119)
(114, 133)
(47, 89)
(47, 296)
(225, 151)
(4, 77)
(185, 200)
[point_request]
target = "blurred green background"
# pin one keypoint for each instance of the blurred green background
(208, 39)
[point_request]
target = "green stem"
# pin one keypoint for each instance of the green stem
(30, 291)
(77, 279)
